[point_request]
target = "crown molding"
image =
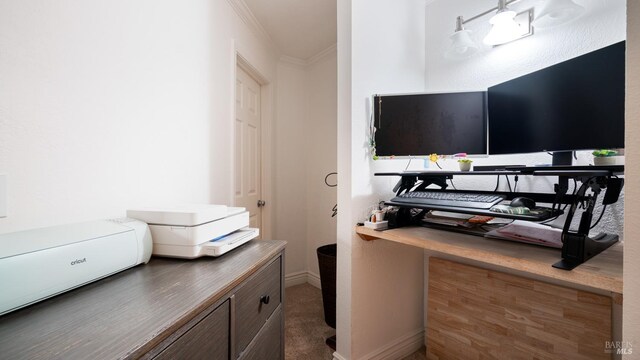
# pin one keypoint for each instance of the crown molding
(246, 15)
(322, 54)
(294, 61)
(297, 62)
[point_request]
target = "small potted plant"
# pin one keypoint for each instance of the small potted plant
(604, 157)
(465, 164)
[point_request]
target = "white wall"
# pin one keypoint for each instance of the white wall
(108, 104)
(322, 147)
(305, 152)
(344, 298)
(380, 302)
(290, 159)
(631, 305)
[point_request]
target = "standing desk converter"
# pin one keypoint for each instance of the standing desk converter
(578, 245)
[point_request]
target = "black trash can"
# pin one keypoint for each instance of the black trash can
(327, 261)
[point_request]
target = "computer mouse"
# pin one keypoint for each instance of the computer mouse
(523, 201)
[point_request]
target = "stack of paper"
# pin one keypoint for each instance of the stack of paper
(528, 232)
(447, 218)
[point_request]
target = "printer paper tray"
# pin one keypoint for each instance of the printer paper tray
(210, 248)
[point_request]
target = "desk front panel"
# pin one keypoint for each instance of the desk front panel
(475, 313)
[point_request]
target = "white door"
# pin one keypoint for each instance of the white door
(247, 142)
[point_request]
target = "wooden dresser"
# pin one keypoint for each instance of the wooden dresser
(229, 307)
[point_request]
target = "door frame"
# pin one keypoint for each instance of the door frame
(266, 124)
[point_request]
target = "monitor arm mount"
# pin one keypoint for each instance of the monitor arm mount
(577, 245)
(406, 183)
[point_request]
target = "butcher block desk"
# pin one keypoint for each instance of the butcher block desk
(499, 299)
(215, 308)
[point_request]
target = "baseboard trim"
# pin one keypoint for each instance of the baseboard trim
(337, 356)
(314, 279)
(296, 278)
(399, 348)
(302, 277)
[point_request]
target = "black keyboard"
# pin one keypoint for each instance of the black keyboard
(439, 198)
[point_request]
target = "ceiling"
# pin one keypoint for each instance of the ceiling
(300, 28)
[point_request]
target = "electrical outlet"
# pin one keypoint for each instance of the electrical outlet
(3, 196)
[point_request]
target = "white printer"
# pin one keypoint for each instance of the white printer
(40, 263)
(195, 230)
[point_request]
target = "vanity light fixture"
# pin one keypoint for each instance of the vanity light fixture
(506, 26)
(557, 12)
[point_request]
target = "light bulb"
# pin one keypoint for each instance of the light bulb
(462, 46)
(504, 28)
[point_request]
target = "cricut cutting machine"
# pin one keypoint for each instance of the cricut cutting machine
(40, 263)
(191, 231)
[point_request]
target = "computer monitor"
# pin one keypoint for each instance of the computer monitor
(574, 105)
(423, 124)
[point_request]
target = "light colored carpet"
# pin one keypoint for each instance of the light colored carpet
(305, 329)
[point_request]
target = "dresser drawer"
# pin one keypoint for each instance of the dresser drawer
(255, 302)
(268, 342)
(208, 339)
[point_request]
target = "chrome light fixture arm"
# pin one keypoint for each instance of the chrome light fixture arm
(501, 4)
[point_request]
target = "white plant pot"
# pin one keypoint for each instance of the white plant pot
(464, 166)
(604, 160)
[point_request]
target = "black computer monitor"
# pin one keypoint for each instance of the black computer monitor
(423, 124)
(574, 105)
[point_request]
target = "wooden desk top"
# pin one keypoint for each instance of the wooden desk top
(603, 272)
(127, 314)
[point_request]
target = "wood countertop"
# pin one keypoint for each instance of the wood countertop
(602, 272)
(127, 314)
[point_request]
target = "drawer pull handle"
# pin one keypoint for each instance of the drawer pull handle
(264, 299)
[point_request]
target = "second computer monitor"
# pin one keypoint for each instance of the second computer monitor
(574, 105)
(423, 124)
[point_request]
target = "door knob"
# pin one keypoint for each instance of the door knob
(261, 203)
